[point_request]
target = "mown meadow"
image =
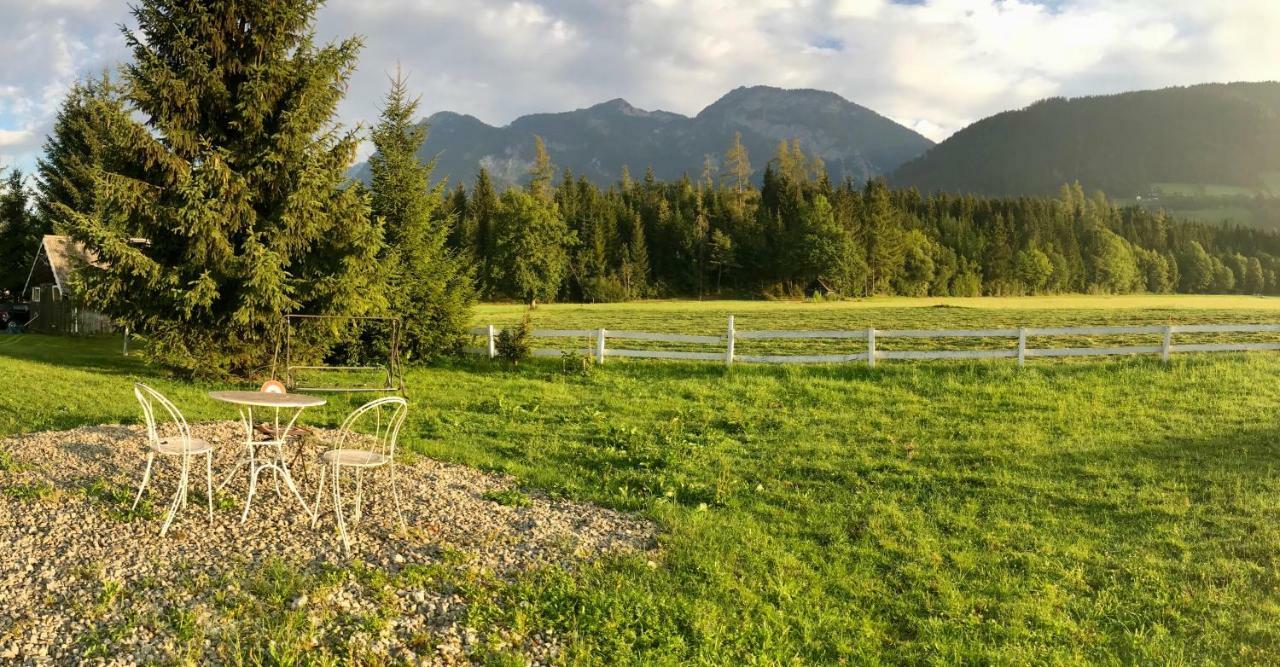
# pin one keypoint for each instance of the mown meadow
(1094, 511)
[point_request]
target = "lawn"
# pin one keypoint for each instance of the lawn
(1104, 511)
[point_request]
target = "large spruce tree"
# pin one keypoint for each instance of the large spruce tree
(427, 286)
(233, 210)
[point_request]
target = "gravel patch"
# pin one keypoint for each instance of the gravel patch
(84, 581)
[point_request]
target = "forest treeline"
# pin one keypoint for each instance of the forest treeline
(799, 233)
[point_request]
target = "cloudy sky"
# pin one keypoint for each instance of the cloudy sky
(934, 65)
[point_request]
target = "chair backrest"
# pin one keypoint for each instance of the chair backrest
(149, 398)
(386, 415)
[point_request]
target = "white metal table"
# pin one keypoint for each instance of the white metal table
(274, 458)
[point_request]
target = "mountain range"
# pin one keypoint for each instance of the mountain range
(1205, 146)
(598, 141)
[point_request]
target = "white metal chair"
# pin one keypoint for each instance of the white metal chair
(386, 416)
(179, 444)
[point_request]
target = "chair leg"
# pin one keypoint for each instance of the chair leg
(253, 487)
(337, 509)
(355, 517)
(208, 481)
(395, 494)
(315, 509)
(146, 477)
(275, 472)
(179, 498)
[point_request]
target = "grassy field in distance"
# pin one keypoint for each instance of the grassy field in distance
(1108, 511)
(711, 317)
(881, 311)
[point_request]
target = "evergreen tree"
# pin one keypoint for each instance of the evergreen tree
(882, 237)
(737, 166)
(427, 286)
(235, 181)
(635, 262)
(482, 212)
(460, 229)
(722, 255)
(78, 148)
(542, 171)
(20, 233)
(831, 256)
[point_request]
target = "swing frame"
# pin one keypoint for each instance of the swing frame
(394, 378)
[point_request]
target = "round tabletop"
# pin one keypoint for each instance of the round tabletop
(266, 399)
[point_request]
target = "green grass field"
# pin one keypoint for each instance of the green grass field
(1104, 511)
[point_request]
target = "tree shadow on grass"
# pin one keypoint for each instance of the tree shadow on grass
(98, 354)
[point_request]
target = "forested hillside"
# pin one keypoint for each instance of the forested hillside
(1126, 145)
(800, 233)
(601, 141)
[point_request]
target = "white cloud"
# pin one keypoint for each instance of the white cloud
(935, 65)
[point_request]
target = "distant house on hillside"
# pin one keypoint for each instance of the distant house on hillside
(54, 306)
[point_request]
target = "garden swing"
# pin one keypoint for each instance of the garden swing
(374, 343)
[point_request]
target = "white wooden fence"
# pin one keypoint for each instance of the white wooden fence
(726, 354)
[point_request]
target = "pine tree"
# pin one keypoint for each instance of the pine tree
(20, 232)
(542, 171)
(882, 238)
(737, 166)
(78, 147)
(636, 261)
(721, 254)
(830, 254)
(482, 212)
(708, 178)
(235, 181)
(460, 229)
(697, 243)
(427, 286)
(624, 179)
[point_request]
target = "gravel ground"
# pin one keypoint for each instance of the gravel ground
(83, 581)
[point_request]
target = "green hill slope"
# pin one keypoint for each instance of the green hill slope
(1223, 139)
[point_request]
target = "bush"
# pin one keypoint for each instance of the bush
(603, 289)
(575, 363)
(513, 342)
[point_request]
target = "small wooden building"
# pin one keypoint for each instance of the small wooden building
(54, 306)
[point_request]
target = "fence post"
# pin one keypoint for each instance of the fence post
(493, 344)
(600, 334)
(1022, 346)
(871, 347)
(126, 340)
(1164, 345)
(728, 350)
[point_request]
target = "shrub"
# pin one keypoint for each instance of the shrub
(575, 363)
(513, 342)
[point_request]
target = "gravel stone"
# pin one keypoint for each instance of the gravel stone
(75, 565)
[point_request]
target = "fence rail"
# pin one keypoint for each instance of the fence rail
(727, 354)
